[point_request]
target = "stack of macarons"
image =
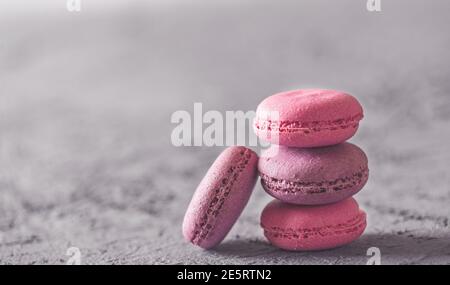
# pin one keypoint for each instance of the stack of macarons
(309, 168)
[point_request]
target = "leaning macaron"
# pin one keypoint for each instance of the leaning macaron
(304, 228)
(308, 118)
(313, 176)
(221, 196)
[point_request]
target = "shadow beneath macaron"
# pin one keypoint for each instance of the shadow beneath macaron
(395, 248)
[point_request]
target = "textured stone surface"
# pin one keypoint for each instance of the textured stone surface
(85, 153)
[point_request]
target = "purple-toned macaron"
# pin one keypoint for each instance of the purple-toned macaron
(313, 176)
(308, 118)
(221, 196)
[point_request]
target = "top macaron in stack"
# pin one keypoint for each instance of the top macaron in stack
(310, 168)
(308, 118)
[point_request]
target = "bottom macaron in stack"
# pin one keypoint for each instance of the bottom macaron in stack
(294, 227)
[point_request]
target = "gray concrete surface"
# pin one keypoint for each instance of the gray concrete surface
(86, 99)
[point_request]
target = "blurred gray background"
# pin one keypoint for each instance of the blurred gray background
(86, 98)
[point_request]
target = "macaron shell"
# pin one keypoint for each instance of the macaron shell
(221, 196)
(300, 228)
(309, 105)
(313, 176)
(308, 118)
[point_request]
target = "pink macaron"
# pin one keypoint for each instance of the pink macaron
(308, 118)
(313, 176)
(303, 228)
(221, 196)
